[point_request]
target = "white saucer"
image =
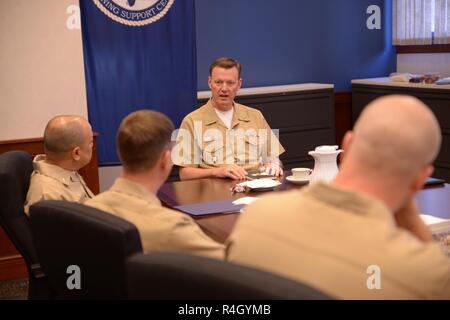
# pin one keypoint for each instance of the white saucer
(261, 184)
(297, 181)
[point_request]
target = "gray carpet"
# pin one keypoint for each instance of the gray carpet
(14, 289)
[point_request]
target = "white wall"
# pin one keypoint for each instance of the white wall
(424, 62)
(41, 63)
(107, 175)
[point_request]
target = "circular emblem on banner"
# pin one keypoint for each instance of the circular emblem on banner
(134, 12)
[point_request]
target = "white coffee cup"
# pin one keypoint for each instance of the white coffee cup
(301, 173)
(327, 148)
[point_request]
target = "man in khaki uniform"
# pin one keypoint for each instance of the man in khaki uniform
(225, 139)
(361, 236)
(68, 142)
(144, 146)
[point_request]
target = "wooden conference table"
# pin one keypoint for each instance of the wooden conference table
(431, 200)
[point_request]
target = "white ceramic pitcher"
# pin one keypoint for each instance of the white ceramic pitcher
(325, 163)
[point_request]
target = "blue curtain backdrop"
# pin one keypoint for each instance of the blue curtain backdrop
(130, 68)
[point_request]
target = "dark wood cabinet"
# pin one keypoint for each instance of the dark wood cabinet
(436, 97)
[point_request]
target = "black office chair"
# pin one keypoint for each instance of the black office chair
(181, 276)
(71, 234)
(15, 171)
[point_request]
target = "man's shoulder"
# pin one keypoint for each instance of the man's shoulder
(162, 222)
(279, 197)
(101, 202)
(41, 184)
(423, 266)
(38, 177)
(249, 110)
(197, 113)
(98, 199)
(136, 208)
(266, 207)
(111, 200)
(406, 247)
(173, 217)
(250, 114)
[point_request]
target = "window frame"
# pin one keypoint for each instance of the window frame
(426, 48)
(430, 48)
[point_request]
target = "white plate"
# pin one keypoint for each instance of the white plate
(260, 184)
(297, 181)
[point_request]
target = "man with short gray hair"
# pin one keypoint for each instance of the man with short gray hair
(68, 142)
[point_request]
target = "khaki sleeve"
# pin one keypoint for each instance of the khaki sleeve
(46, 189)
(187, 237)
(32, 198)
(184, 154)
(37, 194)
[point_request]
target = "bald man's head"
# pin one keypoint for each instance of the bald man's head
(65, 133)
(395, 135)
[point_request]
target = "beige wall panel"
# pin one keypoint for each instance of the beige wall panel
(41, 63)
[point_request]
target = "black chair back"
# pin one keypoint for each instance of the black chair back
(181, 276)
(15, 171)
(77, 244)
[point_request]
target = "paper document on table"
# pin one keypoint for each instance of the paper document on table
(213, 207)
(265, 183)
(436, 224)
(245, 200)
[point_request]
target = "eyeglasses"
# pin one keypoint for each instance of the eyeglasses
(229, 83)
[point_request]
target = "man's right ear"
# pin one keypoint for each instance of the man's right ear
(346, 141)
(166, 160)
(76, 153)
(209, 82)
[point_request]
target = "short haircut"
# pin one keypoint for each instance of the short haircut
(395, 136)
(141, 139)
(226, 63)
(62, 134)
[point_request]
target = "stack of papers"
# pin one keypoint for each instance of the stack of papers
(265, 183)
(443, 81)
(436, 225)
(244, 200)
